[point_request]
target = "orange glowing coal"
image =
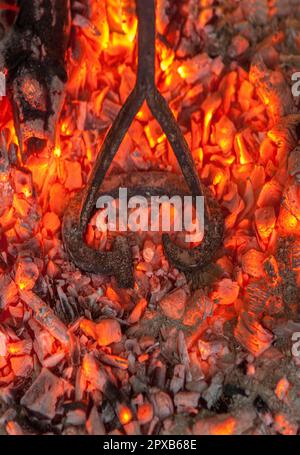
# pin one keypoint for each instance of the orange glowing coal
(225, 428)
(125, 415)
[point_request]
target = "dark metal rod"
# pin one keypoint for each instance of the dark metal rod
(146, 43)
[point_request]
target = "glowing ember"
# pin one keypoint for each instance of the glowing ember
(212, 351)
(125, 415)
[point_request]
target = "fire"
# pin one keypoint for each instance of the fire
(242, 150)
(65, 130)
(57, 152)
(182, 72)
(167, 57)
(13, 350)
(129, 24)
(265, 220)
(22, 285)
(125, 415)
(289, 223)
(284, 426)
(225, 428)
(27, 192)
(209, 106)
(207, 122)
(238, 127)
(26, 275)
(282, 388)
(88, 367)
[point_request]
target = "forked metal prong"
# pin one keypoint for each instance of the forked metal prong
(119, 261)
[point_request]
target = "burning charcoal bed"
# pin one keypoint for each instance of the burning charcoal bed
(113, 325)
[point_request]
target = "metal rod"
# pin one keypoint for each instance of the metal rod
(146, 43)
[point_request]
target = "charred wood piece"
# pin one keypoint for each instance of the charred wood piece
(35, 59)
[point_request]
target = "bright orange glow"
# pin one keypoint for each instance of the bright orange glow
(139, 115)
(284, 426)
(124, 41)
(22, 285)
(26, 191)
(89, 154)
(57, 152)
(217, 178)
(3, 178)
(111, 294)
(125, 415)
(243, 152)
(251, 370)
(88, 327)
(88, 367)
(266, 99)
(200, 154)
(265, 220)
(282, 388)
(14, 349)
(154, 135)
(182, 72)
(225, 428)
(167, 57)
(207, 123)
(130, 27)
(161, 138)
(289, 222)
(169, 79)
(65, 129)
